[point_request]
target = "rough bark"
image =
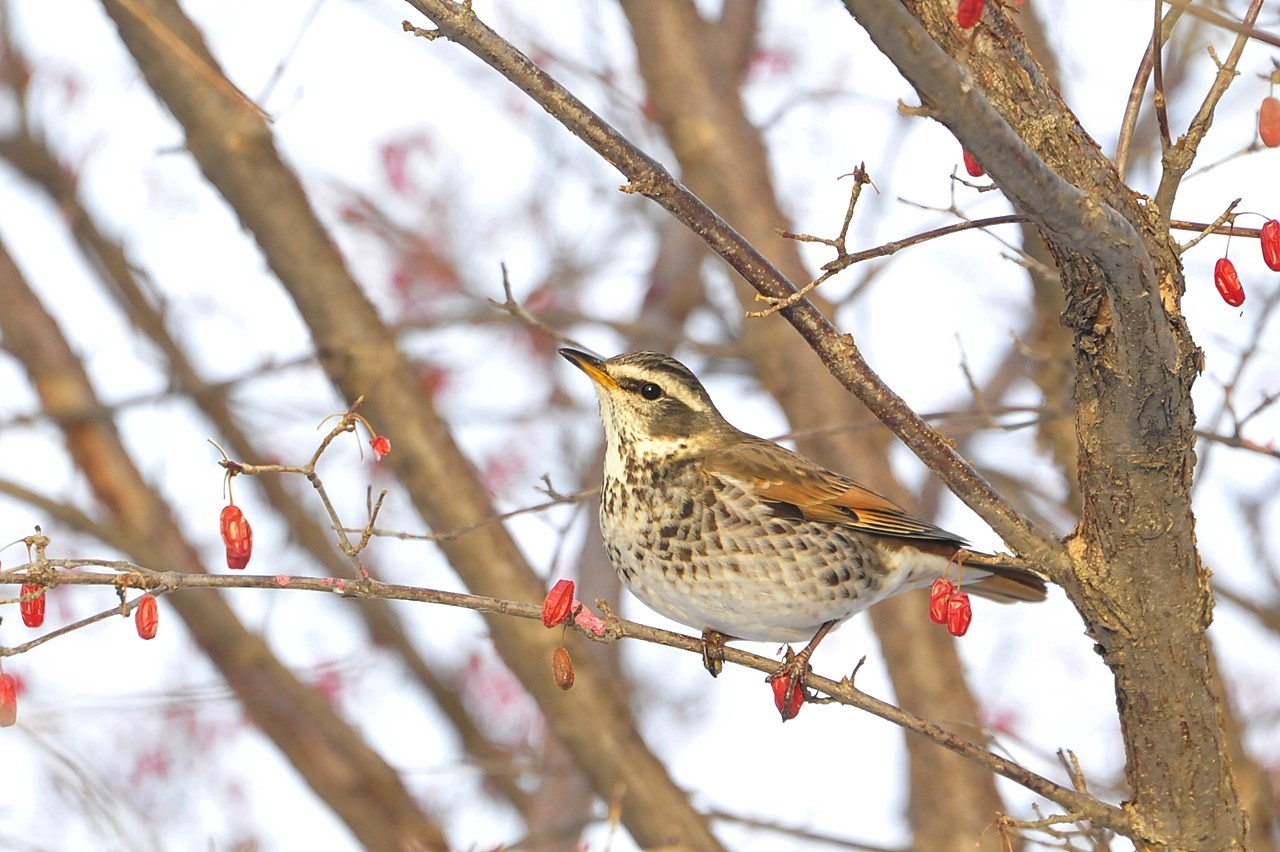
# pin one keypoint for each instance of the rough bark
(1136, 576)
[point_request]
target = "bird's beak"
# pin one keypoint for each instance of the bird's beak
(591, 365)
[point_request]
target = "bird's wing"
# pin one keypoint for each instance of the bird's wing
(777, 475)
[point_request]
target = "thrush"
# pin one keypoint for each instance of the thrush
(742, 538)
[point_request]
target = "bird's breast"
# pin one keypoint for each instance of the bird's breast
(707, 552)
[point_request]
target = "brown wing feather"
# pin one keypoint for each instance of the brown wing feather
(778, 475)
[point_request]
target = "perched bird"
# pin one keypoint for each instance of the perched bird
(742, 538)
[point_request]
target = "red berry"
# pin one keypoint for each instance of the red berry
(562, 667)
(237, 535)
(959, 614)
(381, 446)
(1270, 240)
(1228, 282)
(1269, 122)
(33, 603)
(968, 13)
(8, 700)
(972, 166)
(146, 616)
(788, 697)
(939, 594)
(558, 602)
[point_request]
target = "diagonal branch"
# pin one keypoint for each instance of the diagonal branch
(838, 352)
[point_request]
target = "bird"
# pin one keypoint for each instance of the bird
(742, 538)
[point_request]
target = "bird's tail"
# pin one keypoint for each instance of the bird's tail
(1007, 580)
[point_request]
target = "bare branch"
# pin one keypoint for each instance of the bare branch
(69, 572)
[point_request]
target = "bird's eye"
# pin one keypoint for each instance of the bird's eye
(649, 390)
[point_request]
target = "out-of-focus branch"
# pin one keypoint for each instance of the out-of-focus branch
(235, 149)
(31, 157)
(1128, 125)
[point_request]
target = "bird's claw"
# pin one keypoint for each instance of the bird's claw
(713, 651)
(789, 691)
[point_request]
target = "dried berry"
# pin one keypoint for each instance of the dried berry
(1228, 282)
(146, 616)
(33, 603)
(959, 614)
(8, 700)
(972, 166)
(562, 667)
(1269, 122)
(939, 594)
(1270, 240)
(237, 535)
(558, 603)
(967, 15)
(788, 697)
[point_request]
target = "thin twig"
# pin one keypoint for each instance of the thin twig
(845, 259)
(1212, 228)
(1158, 97)
(557, 500)
(515, 309)
(1179, 157)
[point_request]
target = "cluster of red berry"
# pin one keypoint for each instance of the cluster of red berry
(237, 536)
(34, 600)
(1224, 271)
(561, 607)
(1225, 276)
(950, 606)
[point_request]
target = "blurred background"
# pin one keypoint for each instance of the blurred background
(121, 259)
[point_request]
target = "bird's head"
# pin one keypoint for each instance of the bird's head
(651, 404)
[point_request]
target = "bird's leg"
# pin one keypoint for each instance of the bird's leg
(713, 651)
(796, 666)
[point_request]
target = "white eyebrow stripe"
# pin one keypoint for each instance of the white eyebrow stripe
(669, 382)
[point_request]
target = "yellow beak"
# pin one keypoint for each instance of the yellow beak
(591, 365)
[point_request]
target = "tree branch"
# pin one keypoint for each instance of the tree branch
(69, 572)
(838, 352)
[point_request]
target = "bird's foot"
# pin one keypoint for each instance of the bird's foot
(789, 690)
(713, 651)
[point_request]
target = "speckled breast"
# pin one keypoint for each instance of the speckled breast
(703, 551)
